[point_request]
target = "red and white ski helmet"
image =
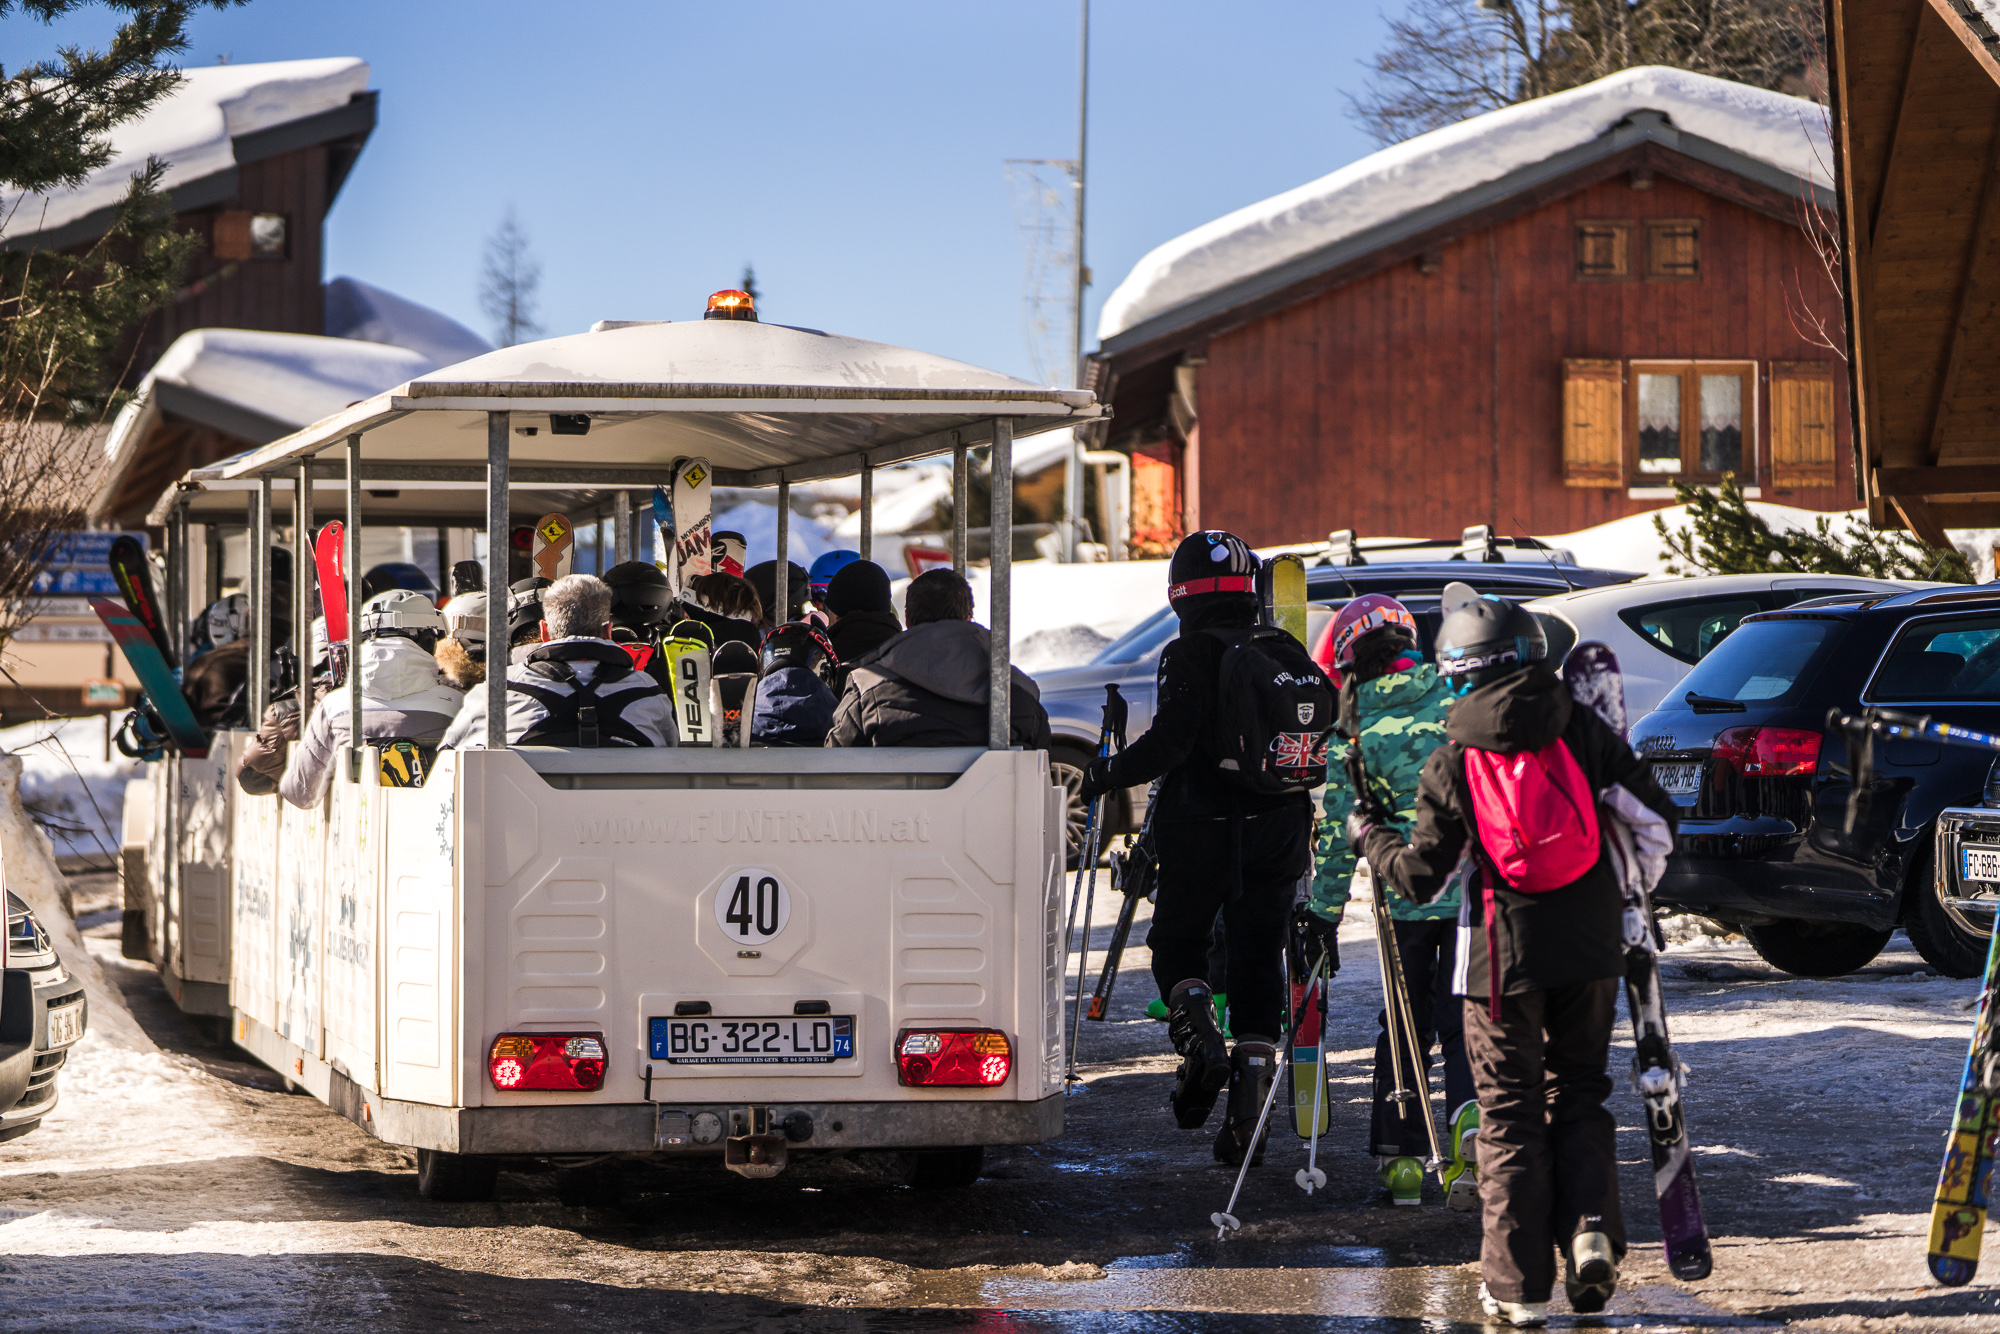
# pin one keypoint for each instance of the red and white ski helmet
(1365, 615)
(1211, 562)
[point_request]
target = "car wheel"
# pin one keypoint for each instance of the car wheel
(456, 1178)
(1949, 934)
(1066, 766)
(945, 1169)
(1816, 949)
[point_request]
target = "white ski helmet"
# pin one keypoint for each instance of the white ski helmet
(465, 618)
(405, 612)
(228, 619)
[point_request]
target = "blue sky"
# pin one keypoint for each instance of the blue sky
(852, 153)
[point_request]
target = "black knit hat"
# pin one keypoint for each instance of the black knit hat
(861, 585)
(1211, 562)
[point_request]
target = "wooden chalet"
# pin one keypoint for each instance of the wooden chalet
(1537, 319)
(1916, 100)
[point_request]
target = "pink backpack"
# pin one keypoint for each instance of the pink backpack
(1536, 814)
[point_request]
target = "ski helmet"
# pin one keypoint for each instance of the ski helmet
(465, 619)
(798, 645)
(1364, 616)
(227, 619)
(524, 606)
(1487, 639)
(640, 594)
(404, 612)
(733, 657)
(726, 552)
(1211, 562)
(825, 568)
(397, 574)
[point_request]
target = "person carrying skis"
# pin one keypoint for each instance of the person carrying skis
(1393, 706)
(1223, 847)
(1542, 948)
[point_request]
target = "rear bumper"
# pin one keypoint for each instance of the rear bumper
(1957, 827)
(27, 1065)
(1753, 871)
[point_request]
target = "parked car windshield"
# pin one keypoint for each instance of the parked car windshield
(1689, 628)
(1763, 661)
(1957, 659)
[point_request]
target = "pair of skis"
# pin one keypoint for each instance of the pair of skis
(139, 629)
(682, 515)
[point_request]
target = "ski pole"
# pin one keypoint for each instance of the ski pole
(1225, 1221)
(1132, 874)
(1861, 733)
(1113, 728)
(1310, 1177)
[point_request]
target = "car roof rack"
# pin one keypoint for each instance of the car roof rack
(1478, 543)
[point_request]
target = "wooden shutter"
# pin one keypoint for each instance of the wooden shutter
(229, 236)
(1673, 250)
(1603, 251)
(1802, 423)
(1593, 423)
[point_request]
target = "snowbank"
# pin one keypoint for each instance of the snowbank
(1632, 543)
(68, 785)
(359, 310)
(755, 515)
(191, 129)
(1787, 132)
(1063, 614)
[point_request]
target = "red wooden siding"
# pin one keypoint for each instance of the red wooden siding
(1413, 404)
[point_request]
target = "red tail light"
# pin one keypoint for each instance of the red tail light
(953, 1058)
(1763, 751)
(567, 1062)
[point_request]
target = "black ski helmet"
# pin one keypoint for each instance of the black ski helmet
(397, 574)
(640, 594)
(524, 606)
(798, 645)
(1483, 640)
(1211, 562)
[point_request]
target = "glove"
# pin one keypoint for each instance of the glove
(1358, 825)
(1096, 779)
(1319, 935)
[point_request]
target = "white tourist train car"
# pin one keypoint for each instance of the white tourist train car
(744, 954)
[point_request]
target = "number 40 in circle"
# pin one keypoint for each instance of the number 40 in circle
(752, 906)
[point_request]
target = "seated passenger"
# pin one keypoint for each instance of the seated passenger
(794, 704)
(524, 617)
(576, 687)
(763, 577)
(217, 681)
(402, 696)
(857, 601)
(461, 654)
(726, 604)
(928, 685)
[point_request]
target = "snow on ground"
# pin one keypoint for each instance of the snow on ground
(69, 786)
(1786, 132)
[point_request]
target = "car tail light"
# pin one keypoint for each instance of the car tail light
(953, 1058)
(569, 1062)
(1764, 751)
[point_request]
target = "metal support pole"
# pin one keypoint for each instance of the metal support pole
(1000, 588)
(782, 575)
(357, 731)
(444, 560)
(263, 603)
(867, 510)
(496, 580)
(961, 501)
(621, 529)
(177, 583)
(305, 583)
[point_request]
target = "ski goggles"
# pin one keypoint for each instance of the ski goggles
(1222, 583)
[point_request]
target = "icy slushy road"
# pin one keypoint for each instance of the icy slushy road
(171, 1192)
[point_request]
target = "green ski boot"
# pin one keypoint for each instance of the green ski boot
(1461, 1172)
(1403, 1178)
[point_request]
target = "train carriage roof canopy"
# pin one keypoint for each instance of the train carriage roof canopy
(752, 398)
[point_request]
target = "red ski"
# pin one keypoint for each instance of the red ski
(332, 582)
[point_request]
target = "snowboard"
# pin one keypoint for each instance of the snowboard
(686, 649)
(693, 547)
(332, 581)
(555, 546)
(1592, 675)
(1282, 581)
(163, 692)
(135, 580)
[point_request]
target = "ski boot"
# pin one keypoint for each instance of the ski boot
(1521, 1315)
(1461, 1174)
(1590, 1272)
(1204, 1056)
(1403, 1178)
(1157, 1009)
(1253, 1068)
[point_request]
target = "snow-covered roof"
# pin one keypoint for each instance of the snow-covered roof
(355, 309)
(1785, 136)
(193, 128)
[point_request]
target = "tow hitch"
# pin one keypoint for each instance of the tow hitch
(754, 1149)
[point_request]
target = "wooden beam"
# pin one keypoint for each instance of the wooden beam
(1885, 188)
(1966, 479)
(1977, 263)
(1918, 518)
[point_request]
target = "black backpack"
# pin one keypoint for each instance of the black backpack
(1274, 712)
(578, 717)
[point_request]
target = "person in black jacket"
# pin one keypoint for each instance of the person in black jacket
(1539, 970)
(864, 619)
(1222, 849)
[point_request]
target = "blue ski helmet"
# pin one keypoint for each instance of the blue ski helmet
(825, 568)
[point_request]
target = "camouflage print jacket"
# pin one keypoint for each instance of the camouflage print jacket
(1402, 722)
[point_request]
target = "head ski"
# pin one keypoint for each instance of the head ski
(1591, 672)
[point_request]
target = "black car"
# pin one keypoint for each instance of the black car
(1765, 843)
(42, 1012)
(1074, 696)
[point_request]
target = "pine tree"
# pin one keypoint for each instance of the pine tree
(509, 284)
(1725, 536)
